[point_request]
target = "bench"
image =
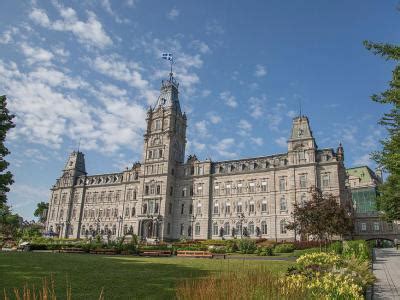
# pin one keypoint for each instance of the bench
(71, 250)
(219, 255)
(197, 254)
(155, 253)
(103, 251)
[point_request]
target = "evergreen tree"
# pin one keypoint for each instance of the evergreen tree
(6, 124)
(389, 157)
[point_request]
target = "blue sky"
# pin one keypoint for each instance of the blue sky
(89, 69)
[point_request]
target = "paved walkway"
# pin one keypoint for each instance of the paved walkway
(387, 271)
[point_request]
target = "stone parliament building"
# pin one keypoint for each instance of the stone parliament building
(164, 197)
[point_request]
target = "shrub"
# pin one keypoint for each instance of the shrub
(220, 250)
(264, 251)
(232, 246)
(322, 260)
(359, 249)
(247, 246)
(360, 271)
(336, 247)
(284, 248)
(301, 245)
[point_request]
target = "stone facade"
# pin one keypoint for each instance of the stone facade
(165, 197)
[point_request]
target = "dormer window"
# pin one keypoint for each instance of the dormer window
(158, 124)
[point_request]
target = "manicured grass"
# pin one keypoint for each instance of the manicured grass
(121, 277)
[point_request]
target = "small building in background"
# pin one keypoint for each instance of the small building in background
(363, 184)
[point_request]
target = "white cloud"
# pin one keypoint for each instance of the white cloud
(201, 128)
(260, 71)
(229, 99)
(107, 7)
(198, 146)
(122, 70)
(200, 46)
(173, 14)
(40, 17)
(223, 146)
(28, 196)
(244, 127)
(214, 118)
(363, 160)
(7, 36)
(35, 55)
(214, 27)
(281, 141)
(257, 140)
(88, 32)
(256, 106)
(292, 114)
(47, 113)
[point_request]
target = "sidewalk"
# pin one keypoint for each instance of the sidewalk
(387, 271)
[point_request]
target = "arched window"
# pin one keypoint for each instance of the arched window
(283, 226)
(215, 228)
(144, 208)
(264, 206)
(83, 230)
(264, 227)
(61, 214)
(283, 205)
(251, 207)
(238, 230)
(251, 228)
(133, 211)
(216, 208)
(114, 229)
(106, 229)
(239, 207)
(197, 229)
(125, 229)
(227, 229)
(71, 230)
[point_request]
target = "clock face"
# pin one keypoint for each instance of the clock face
(300, 132)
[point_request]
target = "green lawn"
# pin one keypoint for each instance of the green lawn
(122, 277)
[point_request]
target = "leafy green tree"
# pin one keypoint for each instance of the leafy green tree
(41, 211)
(6, 124)
(9, 222)
(321, 217)
(389, 157)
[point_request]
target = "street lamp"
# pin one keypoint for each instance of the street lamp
(192, 219)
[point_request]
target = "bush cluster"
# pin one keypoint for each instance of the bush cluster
(284, 248)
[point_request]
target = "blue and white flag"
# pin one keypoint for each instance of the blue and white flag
(167, 56)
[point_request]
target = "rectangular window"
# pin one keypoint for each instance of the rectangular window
(264, 206)
(228, 189)
(182, 229)
(239, 188)
(198, 209)
(216, 189)
(263, 186)
(228, 208)
(191, 191)
(199, 190)
(184, 192)
(376, 226)
(182, 208)
(363, 227)
(158, 189)
(325, 180)
(282, 184)
(239, 207)
(168, 228)
(251, 207)
(146, 190)
(303, 181)
(252, 187)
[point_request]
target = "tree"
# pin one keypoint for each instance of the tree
(389, 157)
(6, 124)
(9, 222)
(41, 211)
(321, 217)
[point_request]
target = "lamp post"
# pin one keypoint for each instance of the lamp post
(241, 220)
(192, 219)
